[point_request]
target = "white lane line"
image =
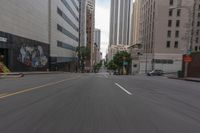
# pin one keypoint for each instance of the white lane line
(106, 76)
(129, 93)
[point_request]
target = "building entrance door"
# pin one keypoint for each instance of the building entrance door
(4, 56)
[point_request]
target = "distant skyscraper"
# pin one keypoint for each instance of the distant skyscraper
(97, 38)
(97, 45)
(90, 23)
(83, 14)
(120, 18)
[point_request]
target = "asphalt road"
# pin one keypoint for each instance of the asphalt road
(98, 103)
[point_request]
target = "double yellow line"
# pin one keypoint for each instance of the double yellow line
(6, 95)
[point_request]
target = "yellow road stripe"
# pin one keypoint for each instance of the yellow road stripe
(34, 88)
(3, 94)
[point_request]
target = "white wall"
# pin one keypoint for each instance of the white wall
(57, 35)
(25, 18)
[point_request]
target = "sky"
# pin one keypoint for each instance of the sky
(102, 22)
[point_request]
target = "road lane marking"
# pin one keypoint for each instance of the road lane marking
(129, 93)
(35, 88)
(3, 94)
(106, 76)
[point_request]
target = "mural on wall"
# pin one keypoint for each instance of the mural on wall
(32, 56)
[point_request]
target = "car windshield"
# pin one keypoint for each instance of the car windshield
(99, 66)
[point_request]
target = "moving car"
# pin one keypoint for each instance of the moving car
(156, 73)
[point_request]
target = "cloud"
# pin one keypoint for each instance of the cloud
(102, 22)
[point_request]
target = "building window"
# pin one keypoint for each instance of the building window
(198, 23)
(198, 15)
(66, 18)
(176, 44)
(170, 12)
(177, 23)
(168, 44)
(197, 32)
(196, 48)
(179, 12)
(177, 34)
(67, 33)
(70, 9)
(197, 40)
(169, 23)
(171, 2)
(169, 33)
(199, 7)
(66, 46)
(163, 61)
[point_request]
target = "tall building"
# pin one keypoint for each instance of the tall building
(36, 35)
(196, 28)
(97, 38)
(97, 45)
(64, 34)
(120, 22)
(136, 22)
(83, 14)
(90, 23)
(164, 34)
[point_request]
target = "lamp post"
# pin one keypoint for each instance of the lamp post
(190, 31)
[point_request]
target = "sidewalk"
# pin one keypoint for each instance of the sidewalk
(22, 74)
(186, 79)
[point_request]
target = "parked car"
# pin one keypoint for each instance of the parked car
(156, 73)
(115, 73)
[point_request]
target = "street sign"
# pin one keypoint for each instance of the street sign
(189, 51)
(3, 39)
(187, 58)
(125, 63)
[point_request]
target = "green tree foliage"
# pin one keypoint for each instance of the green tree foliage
(97, 67)
(120, 60)
(111, 65)
(122, 57)
(84, 52)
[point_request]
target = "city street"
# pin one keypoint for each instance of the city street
(98, 103)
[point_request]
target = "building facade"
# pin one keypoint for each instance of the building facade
(24, 34)
(120, 22)
(64, 34)
(90, 28)
(196, 28)
(97, 45)
(83, 14)
(164, 34)
(114, 49)
(36, 36)
(136, 22)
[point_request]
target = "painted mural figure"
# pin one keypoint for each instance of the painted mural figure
(32, 56)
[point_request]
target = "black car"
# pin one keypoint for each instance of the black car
(156, 73)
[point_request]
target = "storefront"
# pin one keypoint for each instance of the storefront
(22, 54)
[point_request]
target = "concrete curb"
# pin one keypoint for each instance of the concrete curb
(185, 79)
(41, 73)
(11, 75)
(22, 74)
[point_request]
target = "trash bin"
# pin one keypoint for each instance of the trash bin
(180, 74)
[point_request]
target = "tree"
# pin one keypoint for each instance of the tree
(112, 66)
(83, 54)
(122, 59)
(97, 67)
